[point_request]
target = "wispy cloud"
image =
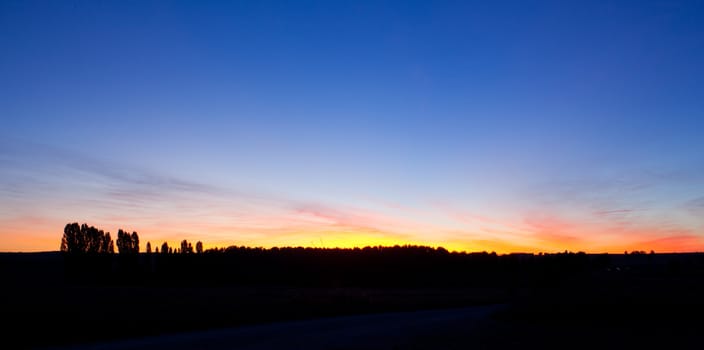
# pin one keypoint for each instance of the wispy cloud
(45, 187)
(696, 203)
(606, 213)
(111, 195)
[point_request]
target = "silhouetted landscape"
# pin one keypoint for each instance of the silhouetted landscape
(87, 293)
(336, 175)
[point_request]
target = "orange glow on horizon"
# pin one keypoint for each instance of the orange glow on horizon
(28, 240)
(535, 234)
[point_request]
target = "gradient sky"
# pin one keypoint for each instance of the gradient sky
(491, 125)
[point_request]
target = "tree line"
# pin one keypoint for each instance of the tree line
(90, 258)
(89, 240)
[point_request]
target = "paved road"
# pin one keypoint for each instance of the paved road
(380, 331)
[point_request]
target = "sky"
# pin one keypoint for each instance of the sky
(507, 126)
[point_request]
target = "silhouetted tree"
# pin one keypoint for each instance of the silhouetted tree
(107, 241)
(72, 242)
(199, 247)
(164, 248)
(122, 243)
(126, 243)
(135, 242)
(149, 247)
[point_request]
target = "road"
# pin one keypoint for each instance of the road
(378, 331)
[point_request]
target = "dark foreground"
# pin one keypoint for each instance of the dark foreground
(399, 330)
(630, 302)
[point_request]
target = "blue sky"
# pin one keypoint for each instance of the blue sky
(512, 125)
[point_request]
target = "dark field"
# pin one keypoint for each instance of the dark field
(587, 301)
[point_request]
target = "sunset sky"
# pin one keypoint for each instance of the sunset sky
(507, 126)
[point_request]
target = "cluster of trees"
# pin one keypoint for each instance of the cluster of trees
(127, 243)
(86, 239)
(90, 255)
(639, 252)
(186, 248)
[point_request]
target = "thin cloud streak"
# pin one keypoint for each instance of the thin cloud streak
(167, 208)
